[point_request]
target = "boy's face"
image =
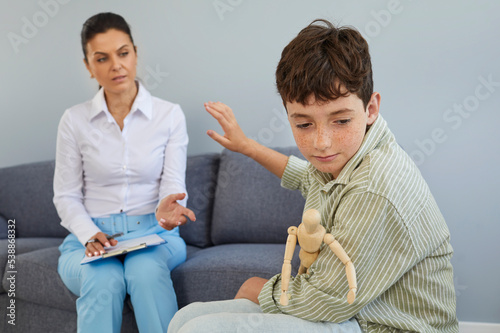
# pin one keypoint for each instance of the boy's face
(329, 134)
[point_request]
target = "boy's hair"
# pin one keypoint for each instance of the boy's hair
(320, 61)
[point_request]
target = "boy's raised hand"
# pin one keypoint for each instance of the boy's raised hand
(234, 139)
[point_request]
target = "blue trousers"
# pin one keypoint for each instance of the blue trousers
(144, 275)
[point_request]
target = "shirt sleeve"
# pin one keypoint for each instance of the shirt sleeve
(371, 232)
(68, 184)
(295, 176)
(173, 178)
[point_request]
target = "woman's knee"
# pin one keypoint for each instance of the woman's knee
(146, 267)
(104, 276)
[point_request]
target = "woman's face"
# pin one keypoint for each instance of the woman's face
(112, 61)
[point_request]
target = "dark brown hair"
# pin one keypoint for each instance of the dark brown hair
(100, 23)
(320, 61)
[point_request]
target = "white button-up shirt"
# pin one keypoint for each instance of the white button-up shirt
(101, 170)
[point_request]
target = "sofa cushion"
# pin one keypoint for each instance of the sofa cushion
(31, 317)
(23, 245)
(3, 227)
(243, 188)
(201, 177)
(26, 195)
(220, 270)
(37, 280)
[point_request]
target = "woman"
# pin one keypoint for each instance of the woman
(120, 158)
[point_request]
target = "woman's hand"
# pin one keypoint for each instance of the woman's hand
(95, 245)
(234, 139)
(171, 214)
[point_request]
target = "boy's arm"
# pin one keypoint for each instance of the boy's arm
(251, 288)
(235, 140)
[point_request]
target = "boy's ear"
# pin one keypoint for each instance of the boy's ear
(373, 107)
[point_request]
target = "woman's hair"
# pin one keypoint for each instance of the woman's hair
(101, 23)
(320, 61)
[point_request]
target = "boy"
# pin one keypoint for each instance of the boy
(371, 197)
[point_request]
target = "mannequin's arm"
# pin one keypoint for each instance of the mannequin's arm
(286, 270)
(349, 266)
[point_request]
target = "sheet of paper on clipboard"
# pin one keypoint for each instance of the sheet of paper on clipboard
(126, 246)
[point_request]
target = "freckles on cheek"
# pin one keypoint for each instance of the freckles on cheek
(301, 142)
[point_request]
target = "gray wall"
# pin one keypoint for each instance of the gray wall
(432, 63)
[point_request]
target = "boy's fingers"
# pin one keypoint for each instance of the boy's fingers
(218, 138)
(219, 110)
(220, 117)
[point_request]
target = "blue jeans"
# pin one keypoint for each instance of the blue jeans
(244, 316)
(144, 275)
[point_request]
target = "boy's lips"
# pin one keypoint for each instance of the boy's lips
(327, 158)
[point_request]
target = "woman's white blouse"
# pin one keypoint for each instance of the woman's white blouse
(101, 170)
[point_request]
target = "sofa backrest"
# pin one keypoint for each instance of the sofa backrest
(235, 200)
(201, 181)
(26, 196)
(250, 204)
(26, 193)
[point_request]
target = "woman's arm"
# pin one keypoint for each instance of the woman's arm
(235, 140)
(171, 210)
(68, 184)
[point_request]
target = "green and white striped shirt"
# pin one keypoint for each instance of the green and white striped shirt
(383, 214)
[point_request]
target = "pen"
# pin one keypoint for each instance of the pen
(107, 237)
(115, 235)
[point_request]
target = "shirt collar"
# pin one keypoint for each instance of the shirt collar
(377, 131)
(142, 103)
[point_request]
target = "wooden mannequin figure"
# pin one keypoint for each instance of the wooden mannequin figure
(310, 235)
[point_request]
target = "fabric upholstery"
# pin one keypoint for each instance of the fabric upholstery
(238, 204)
(26, 196)
(3, 227)
(201, 178)
(25, 245)
(220, 270)
(250, 205)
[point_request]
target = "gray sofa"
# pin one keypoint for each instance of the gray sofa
(241, 229)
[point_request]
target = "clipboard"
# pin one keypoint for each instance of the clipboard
(126, 246)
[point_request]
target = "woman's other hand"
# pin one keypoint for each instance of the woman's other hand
(171, 214)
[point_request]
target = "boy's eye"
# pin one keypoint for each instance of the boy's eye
(343, 121)
(303, 126)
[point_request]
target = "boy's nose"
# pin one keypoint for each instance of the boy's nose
(323, 140)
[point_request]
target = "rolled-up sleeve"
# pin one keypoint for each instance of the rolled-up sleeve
(295, 176)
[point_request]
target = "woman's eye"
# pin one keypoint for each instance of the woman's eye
(101, 59)
(124, 54)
